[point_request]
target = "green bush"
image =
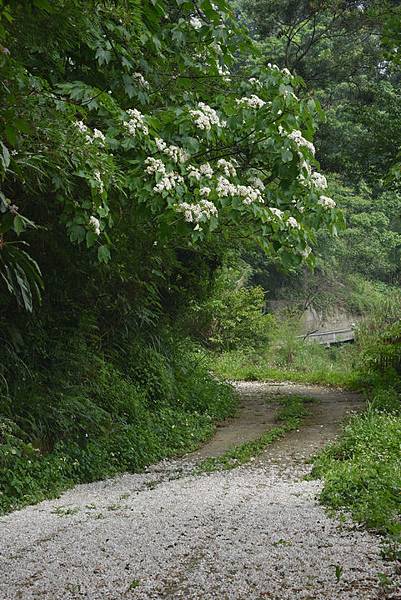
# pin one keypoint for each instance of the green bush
(361, 472)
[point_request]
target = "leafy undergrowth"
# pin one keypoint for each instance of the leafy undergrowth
(361, 471)
(289, 417)
(87, 417)
(321, 369)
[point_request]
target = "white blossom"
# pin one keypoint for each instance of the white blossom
(99, 181)
(227, 167)
(204, 191)
(205, 116)
(319, 180)
(252, 102)
(258, 183)
(206, 170)
(161, 144)
(326, 202)
(168, 182)
(177, 154)
(195, 22)
(276, 212)
(136, 122)
(194, 172)
(95, 224)
(81, 126)
(249, 194)
(141, 80)
(155, 165)
(255, 82)
(97, 134)
(225, 188)
(292, 222)
(298, 138)
(194, 213)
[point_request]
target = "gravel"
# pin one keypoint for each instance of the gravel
(252, 533)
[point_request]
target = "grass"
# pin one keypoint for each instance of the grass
(311, 365)
(289, 417)
(362, 471)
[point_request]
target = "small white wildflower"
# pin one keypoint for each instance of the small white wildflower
(95, 224)
(249, 194)
(161, 144)
(205, 191)
(178, 155)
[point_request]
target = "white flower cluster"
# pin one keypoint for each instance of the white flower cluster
(195, 22)
(252, 102)
(197, 173)
(319, 181)
(140, 79)
(326, 202)
(205, 116)
(99, 181)
(177, 154)
(227, 167)
(248, 193)
(194, 213)
(205, 191)
(136, 123)
(95, 224)
(258, 183)
(276, 212)
(298, 138)
(90, 136)
(291, 222)
(168, 181)
(154, 165)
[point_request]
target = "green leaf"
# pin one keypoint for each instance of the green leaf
(103, 254)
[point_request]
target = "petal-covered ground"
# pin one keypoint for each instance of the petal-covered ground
(255, 532)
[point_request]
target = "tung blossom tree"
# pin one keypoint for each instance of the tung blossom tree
(188, 125)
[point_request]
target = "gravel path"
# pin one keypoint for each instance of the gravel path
(253, 533)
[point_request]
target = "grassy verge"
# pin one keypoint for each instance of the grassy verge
(323, 369)
(362, 470)
(93, 417)
(289, 417)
